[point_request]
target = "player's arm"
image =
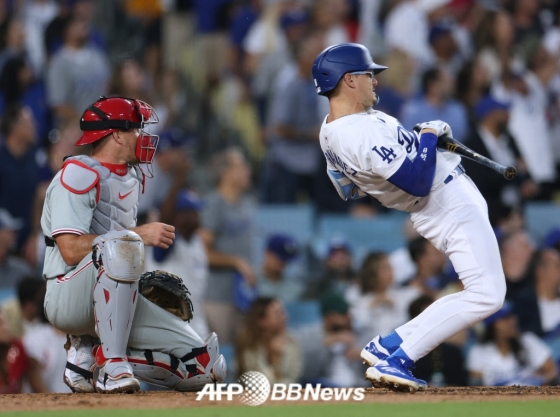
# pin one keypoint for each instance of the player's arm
(416, 177)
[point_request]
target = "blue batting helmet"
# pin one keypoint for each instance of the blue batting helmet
(335, 61)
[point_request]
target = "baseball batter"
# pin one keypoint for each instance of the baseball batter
(95, 257)
(370, 153)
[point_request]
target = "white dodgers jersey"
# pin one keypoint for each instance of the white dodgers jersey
(370, 147)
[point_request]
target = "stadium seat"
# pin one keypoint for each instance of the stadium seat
(302, 313)
(383, 233)
(540, 218)
(7, 294)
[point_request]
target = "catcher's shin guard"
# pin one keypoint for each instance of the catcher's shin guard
(119, 257)
(203, 365)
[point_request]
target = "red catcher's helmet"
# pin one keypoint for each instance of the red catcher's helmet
(111, 114)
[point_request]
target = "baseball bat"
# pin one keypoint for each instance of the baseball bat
(449, 144)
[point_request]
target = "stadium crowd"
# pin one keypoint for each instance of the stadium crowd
(239, 122)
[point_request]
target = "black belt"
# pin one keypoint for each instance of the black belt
(50, 242)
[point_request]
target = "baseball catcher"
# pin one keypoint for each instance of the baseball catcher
(124, 325)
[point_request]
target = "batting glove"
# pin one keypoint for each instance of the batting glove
(440, 127)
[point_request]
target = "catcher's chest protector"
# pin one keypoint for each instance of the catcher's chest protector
(117, 196)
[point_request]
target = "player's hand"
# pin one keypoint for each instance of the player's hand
(246, 271)
(156, 234)
(440, 127)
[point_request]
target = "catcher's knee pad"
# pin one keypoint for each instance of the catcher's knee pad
(121, 255)
(203, 365)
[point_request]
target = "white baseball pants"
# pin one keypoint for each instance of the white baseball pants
(454, 217)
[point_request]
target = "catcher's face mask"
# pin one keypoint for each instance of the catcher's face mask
(111, 114)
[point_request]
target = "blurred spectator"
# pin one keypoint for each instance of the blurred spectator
(228, 233)
(401, 262)
(338, 274)
(443, 366)
(329, 18)
(490, 138)
(507, 357)
(472, 84)
(264, 344)
(272, 282)
(376, 307)
(16, 77)
(525, 15)
(14, 363)
(430, 276)
(12, 268)
(436, 104)
(395, 87)
(517, 251)
(407, 28)
(547, 282)
(331, 353)
(186, 257)
(170, 166)
(18, 166)
(506, 219)
(296, 113)
(24, 312)
(528, 93)
(129, 79)
(446, 50)
(242, 19)
(77, 74)
(267, 48)
(552, 239)
(494, 40)
(12, 41)
(37, 14)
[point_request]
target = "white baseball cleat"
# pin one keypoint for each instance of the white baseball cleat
(80, 363)
(115, 375)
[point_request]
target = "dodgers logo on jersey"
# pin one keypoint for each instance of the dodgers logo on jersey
(407, 139)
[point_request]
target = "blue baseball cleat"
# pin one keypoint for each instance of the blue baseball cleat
(394, 373)
(375, 352)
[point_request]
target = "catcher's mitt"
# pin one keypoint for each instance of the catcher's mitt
(167, 290)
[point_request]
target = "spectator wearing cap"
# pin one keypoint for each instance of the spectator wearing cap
(186, 257)
(504, 356)
(12, 268)
(338, 272)
(272, 282)
(490, 138)
(436, 103)
(171, 165)
(330, 350)
(445, 48)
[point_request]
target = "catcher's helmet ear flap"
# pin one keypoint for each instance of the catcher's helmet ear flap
(335, 61)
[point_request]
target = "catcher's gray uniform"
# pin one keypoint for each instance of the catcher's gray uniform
(88, 197)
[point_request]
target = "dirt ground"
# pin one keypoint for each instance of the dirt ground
(169, 399)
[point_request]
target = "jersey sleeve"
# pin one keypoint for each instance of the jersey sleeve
(70, 212)
(379, 150)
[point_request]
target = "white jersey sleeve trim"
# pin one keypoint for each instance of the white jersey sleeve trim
(66, 230)
(78, 178)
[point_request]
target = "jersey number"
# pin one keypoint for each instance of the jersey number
(386, 154)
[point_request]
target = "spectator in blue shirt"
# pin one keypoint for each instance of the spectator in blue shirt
(436, 104)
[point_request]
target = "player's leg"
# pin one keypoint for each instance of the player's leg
(119, 257)
(69, 308)
(166, 351)
(455, 220)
